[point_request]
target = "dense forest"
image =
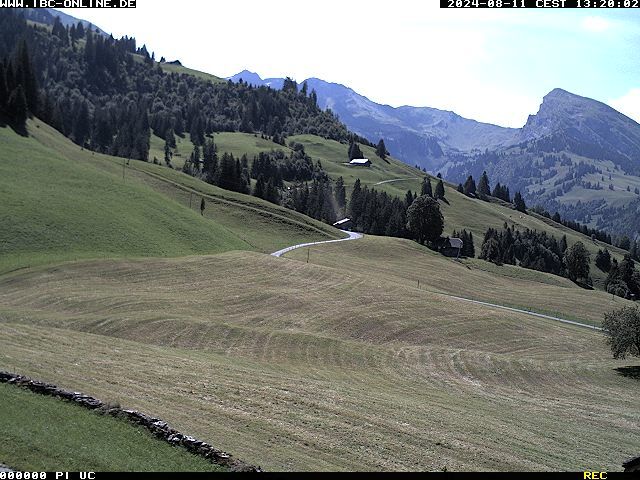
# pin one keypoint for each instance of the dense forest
(108, 95)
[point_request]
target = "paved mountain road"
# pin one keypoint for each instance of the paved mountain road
(352, 236)
(356, 236)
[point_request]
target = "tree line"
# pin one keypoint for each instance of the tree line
(108, 95)
(537, 251)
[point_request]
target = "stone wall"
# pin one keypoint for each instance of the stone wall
(156, 426)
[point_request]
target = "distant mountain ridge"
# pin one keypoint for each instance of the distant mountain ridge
(576, 155)
(417, 135)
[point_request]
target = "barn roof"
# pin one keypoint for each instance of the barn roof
(360, 161)
(342, 222)
(455, 243)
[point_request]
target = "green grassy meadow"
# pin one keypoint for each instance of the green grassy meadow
(342, 363)
(47, 434)
(63, 203)
(297, 366)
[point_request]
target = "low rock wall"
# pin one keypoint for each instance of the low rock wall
(156, 426)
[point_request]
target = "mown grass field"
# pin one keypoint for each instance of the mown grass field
(64, 203)
(296, 366)
(338, 364)
(408, 263)
(46, 434)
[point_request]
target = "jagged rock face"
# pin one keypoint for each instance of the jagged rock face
(586, 121)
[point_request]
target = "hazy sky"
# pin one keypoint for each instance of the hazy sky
(489, 65)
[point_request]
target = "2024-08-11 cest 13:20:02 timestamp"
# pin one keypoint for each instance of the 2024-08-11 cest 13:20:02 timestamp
(540, 3)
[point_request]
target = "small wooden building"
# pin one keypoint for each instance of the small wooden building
(344, 224)
(452, 247)
(360, 162)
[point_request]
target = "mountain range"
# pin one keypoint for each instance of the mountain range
(417, 135)
(577, 156)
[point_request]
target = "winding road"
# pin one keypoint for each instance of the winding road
(356, 236)
(352, 236)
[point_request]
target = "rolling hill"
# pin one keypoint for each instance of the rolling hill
(66, 203)
(351, 356)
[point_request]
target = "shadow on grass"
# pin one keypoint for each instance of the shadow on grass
(629, 372)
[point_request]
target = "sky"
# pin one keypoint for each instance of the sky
(489, 65)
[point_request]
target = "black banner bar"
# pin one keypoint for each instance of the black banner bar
(582, 4)
(67, 3)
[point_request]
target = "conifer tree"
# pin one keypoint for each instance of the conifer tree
(340, 193)
(470, 186)
(439, 193)
(484, 190)
(426, 187)
(17, 107)
(518, 202)
(381, 150)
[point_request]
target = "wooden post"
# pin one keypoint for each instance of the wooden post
(123, 168)
(308, 253)
(190, 198)
(418, 284)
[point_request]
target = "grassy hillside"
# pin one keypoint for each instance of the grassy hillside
(297, 366)
(65, 203)
(406, 262)
(58, 209)
(171, 68)
(460, 211)
(46, 434)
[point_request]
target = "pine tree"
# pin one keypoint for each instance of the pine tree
(4, 90)
(408, 199)
(381, 150)
(340, 194)
(469, 186)
(259, 187)
(194, 159)
(484, 190)
(354, 151)
(426, 187)
(518, 202)
(439, 194)
(17, 108)
(168, 154)
(356, 203)
(27, 77)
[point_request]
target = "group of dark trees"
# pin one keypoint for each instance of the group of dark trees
(428, 190)
(228, 172)
(483, 191)
(321, 198)
(623, 279)
(377, 212)
(537, 251)
(108, 95)
(19, 94)
(576, 226)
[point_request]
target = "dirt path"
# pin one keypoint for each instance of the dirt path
(396, 180)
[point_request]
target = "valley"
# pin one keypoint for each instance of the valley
(148, 214)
